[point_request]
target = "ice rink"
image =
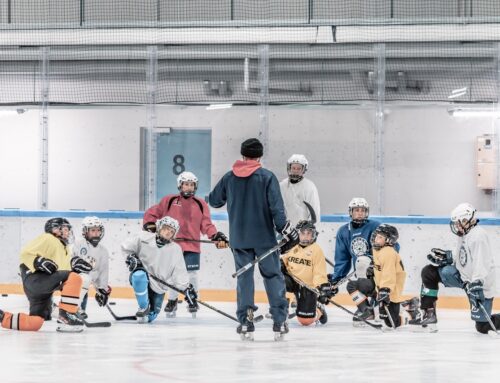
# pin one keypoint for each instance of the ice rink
(207, 349)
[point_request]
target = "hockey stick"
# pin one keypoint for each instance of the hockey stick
(95, 324)
(200, 302)
(390, 317)
(257, 260)
(492, 325)
(194, 240)
(315, 291)
(116, 317)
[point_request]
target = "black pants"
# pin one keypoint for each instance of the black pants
(306, 299)
(393, 309)
(39, 288)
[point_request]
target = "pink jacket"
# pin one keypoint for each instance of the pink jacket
(192, 213)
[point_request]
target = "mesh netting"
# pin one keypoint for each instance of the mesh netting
(207, 51)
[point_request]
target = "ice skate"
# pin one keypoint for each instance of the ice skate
(142, 315)
(171, 308)
(82, 314)
(246, 331)
(323, 319)
(280, 330)
(411, 308)
(361, 316)
(68, 322)
(193, 309)
(427, 323)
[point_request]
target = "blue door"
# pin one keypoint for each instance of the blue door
(183, 150)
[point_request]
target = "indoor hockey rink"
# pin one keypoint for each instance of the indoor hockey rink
(104, 103)
(207, 349)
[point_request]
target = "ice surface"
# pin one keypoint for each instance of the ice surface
(207, 349)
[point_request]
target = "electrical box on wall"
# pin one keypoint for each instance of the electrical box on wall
(486, 162)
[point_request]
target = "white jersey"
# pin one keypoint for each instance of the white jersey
(474, 260)
(166, 263)
(98, 257)
(294, 196)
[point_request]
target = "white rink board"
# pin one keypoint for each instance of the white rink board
(416, 240)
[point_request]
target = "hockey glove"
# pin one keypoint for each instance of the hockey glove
(221, 241)
(384, 296)
(133, 262)
(440, 258)
(475, 292)
(102, 295)
(190, 296)
(149, 226)
(290, 234)
(326, 292)
(80, 265)
(45, 265)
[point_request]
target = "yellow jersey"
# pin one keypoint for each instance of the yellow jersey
(307, 264)
(389, 272)
(47, 246)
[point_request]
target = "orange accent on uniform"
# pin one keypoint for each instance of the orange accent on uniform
(309, 321)
(24, 322)
(70, 293)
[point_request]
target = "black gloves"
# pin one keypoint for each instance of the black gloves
(149, 226)
(475, 292)
(191, 296)
(384, 295)
(222, 242)
(45, 265)
(133, 262)
(440, 258)
(102, 295)
(326, 292)
(80, 265)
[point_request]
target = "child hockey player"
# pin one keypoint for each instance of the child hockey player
(193, 215)
(297, 189)
(151, 255)
(93, 251)
(389, 274)
(471, 267)
(46, 266)
(305, 263)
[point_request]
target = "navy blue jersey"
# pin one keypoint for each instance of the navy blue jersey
(351, 243)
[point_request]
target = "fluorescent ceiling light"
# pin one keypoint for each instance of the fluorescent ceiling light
(10, 112)
(219, 106)
(470, 112)
(458, 93)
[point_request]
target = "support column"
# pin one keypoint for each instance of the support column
(264, 96)
(43, 183)
(151, 152)
(379, 50)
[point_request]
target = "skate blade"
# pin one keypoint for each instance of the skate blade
(429, 328)
(193, 315)
(171, 315)
(247, 337)
(494, 334)
(279, 337)
(142, 320)
(66, 328)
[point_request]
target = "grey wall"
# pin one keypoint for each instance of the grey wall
(94, 154)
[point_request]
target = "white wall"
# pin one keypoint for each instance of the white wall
(217, 265)
(94, 154)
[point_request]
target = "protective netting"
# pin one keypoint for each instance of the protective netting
(207, 51)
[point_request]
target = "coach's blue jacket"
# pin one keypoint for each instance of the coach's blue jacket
(254, 205)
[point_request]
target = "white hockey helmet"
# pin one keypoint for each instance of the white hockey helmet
(187, 177)
(296, 159)
(359, 202)
(463, 219)
(88, 223)
(167, 221)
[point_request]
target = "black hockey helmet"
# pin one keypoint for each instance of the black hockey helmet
(55, 223)
(307, 225)
(389, 232)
